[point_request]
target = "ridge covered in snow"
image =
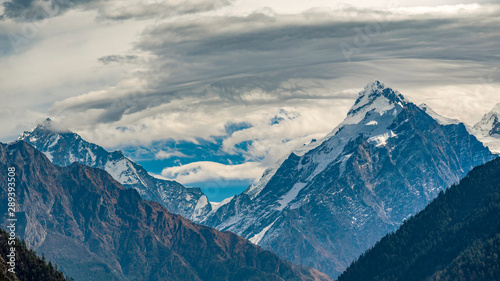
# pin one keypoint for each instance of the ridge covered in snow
(439, 118)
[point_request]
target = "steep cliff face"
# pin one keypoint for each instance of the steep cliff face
(64, 148)
(333, 199)
(95, 229)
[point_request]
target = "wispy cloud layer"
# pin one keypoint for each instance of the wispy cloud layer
(268, 59)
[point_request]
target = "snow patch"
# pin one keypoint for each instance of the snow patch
(255, 189)
(217, 205)
(134, 175)
(258, 237)
(48, 155)
(372, 99)
(198, 209)
(118, 170)
(92, 156)
(343, 164)
(290, 195)
(381, 140)
(56, 140)
(72, 158)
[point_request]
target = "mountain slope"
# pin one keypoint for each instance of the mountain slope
(488, 129)
(95, 229)
(456, 237)
(333, 199)
(64, 148)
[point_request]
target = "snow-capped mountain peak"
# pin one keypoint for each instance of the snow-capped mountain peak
(64, 147)
(371, 115)
(375, 100)
(488, 129)
(490, 123)
(46, 125)
(378, 96)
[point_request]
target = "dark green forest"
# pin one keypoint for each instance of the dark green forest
(456, 237)
(29, 267)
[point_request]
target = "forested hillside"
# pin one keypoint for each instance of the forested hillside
(29, 267)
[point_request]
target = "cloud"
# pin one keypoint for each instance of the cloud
(36, 10)
(269, 141)
(211, 171)
(169, 154)
(118, 59)
(57, 59)
(207, 71)
(231, 127)
(266, 58)
(124, 9)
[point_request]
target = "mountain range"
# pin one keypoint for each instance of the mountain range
(334, 198)
(329, 200)
(64, 147)
(456, 237)
(95, 229)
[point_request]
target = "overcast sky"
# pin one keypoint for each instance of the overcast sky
(125, 73)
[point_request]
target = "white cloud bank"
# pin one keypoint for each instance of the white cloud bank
(213, 172)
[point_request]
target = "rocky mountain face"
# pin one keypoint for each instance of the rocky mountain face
(488, 129)
(456, 237)
(331, 200)
(96, 229)
(64, 148)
